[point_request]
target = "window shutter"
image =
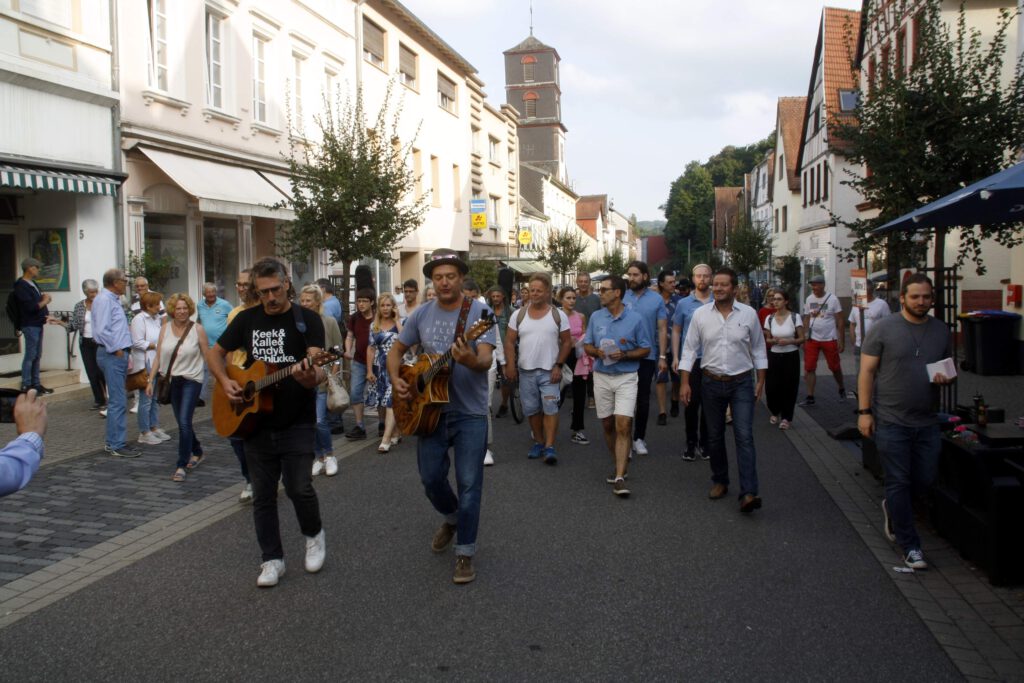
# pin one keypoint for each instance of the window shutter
(373, 39)
(446, 87)
(407, 62)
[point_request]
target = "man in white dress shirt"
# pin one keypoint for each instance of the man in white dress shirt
(733, 344)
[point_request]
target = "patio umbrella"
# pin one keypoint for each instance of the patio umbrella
(998, 198)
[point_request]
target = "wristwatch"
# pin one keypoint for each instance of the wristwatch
(862, 411)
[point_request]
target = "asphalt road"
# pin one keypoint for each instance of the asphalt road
(572, 584)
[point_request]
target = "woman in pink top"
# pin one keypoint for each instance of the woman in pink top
(582, 363)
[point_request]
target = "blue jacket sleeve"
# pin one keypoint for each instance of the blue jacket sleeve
(19, 460)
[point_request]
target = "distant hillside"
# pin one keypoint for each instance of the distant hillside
(651, 227)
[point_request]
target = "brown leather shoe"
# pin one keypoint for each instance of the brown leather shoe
(749, 503)
(443, 537)
(464, 572)
(718, 491)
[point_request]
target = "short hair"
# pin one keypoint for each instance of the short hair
(701, 265)
(411, 283)
(617, 282)
(916, 279)
(89, 286)
(565, 290)
(366, 293)
(495, 289)
(173, 299)
(470, 284)
(318, 297)
(210, 285)
(150, 298)
(663, 275)
(726, 270)
(112, 275)
(268, 266)
(542, 278)
(583, 274)
(143, 278)
(325, 285)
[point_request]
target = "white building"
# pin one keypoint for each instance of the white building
(786, 199)
(59, 170)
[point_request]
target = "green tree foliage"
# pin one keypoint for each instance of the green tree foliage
(749, 246)
(353, 191)
(948, 122)
(156, 269)
(788, 272)
(485, 273)
(563, 250)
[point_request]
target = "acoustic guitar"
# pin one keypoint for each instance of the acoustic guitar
(428, 385)
(240, 419)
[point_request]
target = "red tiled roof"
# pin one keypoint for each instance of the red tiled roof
(842, 26)
(588, 210)
(791, 122)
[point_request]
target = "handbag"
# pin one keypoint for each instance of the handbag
(135, 381)
(338, 399)
(163, 382)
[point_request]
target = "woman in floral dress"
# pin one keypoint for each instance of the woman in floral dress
(383, 332)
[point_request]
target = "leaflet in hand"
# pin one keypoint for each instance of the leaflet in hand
(946, 367)
(608, 346)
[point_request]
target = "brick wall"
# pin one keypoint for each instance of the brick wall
(980, 299)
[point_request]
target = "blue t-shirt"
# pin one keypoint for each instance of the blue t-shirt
(683, 314)
(433, 328)
(214, 319)
(628, 331)
(332, 307)
(651, 308)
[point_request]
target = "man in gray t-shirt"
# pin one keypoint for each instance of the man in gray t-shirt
(903, 420)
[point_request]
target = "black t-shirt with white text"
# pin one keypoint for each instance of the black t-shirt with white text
(276, 340)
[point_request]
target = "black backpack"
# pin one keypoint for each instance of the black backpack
(14, 311)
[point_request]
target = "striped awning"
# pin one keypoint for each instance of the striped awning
(56, 181)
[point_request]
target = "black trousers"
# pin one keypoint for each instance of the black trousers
(87, 347)
(273, 456)
(645, 377)
(782, 383)
(696, 424)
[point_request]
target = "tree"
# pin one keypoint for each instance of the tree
(749, 246)
(353, 192)
(788, 271)
(563, 250)
(484, 273)
(156, 269)
(613, 262)
(947, 122)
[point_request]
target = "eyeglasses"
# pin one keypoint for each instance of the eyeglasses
(605, 289)
(270, 291)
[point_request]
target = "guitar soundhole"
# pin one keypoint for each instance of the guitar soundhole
(420, 385)
(249, 391)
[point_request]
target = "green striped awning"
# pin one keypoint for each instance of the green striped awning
(56, 181)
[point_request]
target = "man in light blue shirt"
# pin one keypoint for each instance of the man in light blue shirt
(213, 313)
(696, 423)
(618, 339)
(20, 458)
(331, 303)
(114, 341)
(646, 302)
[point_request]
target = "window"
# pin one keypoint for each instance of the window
(445, 93)
(373, 43)
(872, 66)
(158, 44)
(776, 220)
(817, 183)
(417, 171)
(407, 66)
(824, 184)
(915, 31)
(817, 119)
(530, 104)
(298, 61)
(214, 60)
(259, 78)
(494, 212)
(848, 100)
(886, 62)
(435, 181)
(901, 52)
(456, 188)
(476, 141)
(54, 12)
(781, 166)
(493, 150)
(803, 187)
(529, 68)
(785, 218)
(331, 86)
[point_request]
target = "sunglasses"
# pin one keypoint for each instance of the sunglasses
(270, 291)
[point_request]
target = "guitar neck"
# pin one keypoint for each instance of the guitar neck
(274, 378)
(437, 365)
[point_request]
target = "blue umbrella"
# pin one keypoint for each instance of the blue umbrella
(998, 198)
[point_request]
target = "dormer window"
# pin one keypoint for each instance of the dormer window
(848, 100)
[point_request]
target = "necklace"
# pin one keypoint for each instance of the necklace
(917, 340)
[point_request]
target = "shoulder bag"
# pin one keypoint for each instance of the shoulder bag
(163, 382)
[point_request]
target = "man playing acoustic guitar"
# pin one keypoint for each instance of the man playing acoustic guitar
(281, 446)
(437, 326)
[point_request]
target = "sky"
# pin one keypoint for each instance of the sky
(647, 85)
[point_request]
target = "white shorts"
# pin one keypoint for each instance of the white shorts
(615, 394)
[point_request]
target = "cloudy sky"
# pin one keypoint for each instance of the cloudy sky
(647, 85)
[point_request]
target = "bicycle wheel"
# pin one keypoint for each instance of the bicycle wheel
(516, 405)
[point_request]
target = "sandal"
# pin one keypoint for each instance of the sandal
(194, 461)
(384, 447)
(179, 475)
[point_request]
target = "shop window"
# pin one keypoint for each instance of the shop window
(220, 256)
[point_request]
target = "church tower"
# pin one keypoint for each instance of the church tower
(532, 87)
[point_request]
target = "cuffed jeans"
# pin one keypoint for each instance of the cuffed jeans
(184, 395)
(274, 456)
(33, 352)
(114, 371)
(322, 444)
(910, 458)
(739, 394)
(467, 435)
(149, 411)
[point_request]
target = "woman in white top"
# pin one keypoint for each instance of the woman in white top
(145, 335)
(81, 321)
(784, 333)
(186, 375)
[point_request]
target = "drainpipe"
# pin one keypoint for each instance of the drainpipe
(115, 115)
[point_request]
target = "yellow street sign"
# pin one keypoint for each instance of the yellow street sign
(478, 220)
(525, 237)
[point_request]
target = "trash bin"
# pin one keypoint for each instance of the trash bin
(988, 342)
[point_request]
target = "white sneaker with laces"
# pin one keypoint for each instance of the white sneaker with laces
(488, 458)
(246, 495)
(580, 438)
(270, 572)
(316, 551)
(318, 466)
(330, 466)
(149, 438)
(915, 559)
(161, 434)
(640, 447)
(103, 412)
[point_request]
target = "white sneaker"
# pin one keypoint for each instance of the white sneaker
(318, 466)
(246, 495)
(160, 434)
(640, 447)
(270, 572)
(330, 466)
(135, 408)
(915, 559)
(488, 458)
(149, 438)
(103, 412)
(316, 551)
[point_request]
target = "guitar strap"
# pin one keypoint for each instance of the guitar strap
(460, 327)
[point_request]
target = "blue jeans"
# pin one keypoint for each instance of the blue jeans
(33, 352)
(114, 370)
(739, 394)
(910, 457)
(148, 411)
(537, 392)
(467, 434)
(322, 444)
(184, 394)
(358, 384)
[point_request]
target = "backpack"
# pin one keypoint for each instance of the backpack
(521, 314)
(14, 311)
